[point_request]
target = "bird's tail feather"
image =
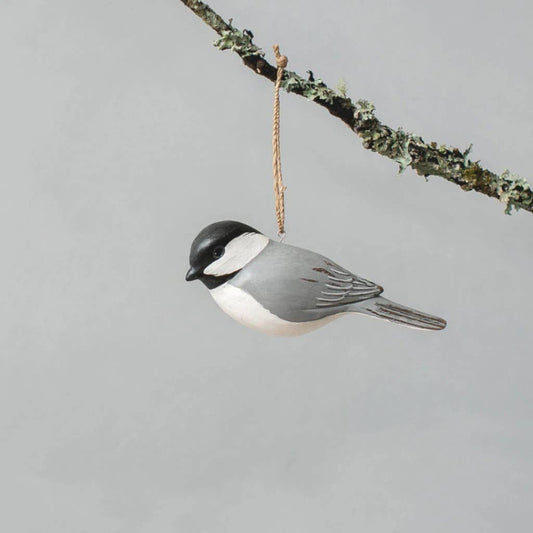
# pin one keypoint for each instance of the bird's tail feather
(380, 307)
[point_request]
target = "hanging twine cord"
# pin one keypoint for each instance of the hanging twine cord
(279, 188)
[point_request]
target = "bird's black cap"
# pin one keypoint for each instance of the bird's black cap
(215, 235)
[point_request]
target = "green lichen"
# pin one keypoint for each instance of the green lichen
(382, 139)
(477, 178)
(364, 111)
(410, 150)
(312, 90)
(208, 15)
(515, 192)
(238, 41)
(401, 146)
(342, 87)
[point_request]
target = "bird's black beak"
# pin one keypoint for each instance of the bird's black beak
(192, 274)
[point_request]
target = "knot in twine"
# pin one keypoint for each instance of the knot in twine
(281, 61)
(279, 188)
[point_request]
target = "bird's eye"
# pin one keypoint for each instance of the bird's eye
(218, 252)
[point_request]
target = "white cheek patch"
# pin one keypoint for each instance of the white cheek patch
(238, 253)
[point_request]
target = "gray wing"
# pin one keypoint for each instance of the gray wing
(299, 285)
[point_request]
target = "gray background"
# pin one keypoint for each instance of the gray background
(130, 402)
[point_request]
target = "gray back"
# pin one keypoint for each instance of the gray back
(299, 285)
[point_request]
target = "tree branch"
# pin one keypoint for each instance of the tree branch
(407, 149)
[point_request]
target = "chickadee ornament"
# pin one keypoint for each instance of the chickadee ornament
(280, 289)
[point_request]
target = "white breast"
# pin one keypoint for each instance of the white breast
(243, 308)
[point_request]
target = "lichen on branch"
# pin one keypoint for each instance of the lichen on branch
(406, 149)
